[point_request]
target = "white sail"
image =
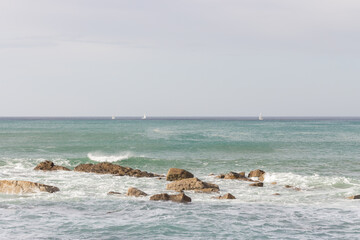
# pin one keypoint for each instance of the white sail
(260, 117)
(113, 117)
(144, 117)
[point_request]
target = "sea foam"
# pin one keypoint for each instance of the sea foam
(101, 157)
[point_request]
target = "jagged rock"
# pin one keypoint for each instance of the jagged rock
(181, 197)
(226, 196)
(292, 187)
(135, 192)
(109, 168)
(258, 184)
(19, 187)
(354, 197)
(49, 166)
(257, 173)
(178, 174)
(113, 193)
(192, 184)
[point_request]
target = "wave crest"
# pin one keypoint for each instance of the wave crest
(101, 157)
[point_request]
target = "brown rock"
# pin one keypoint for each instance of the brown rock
(178, 174)
(276, 194)
(50, 166)
(258, 184)
(135, 192)
(292, 187)
(181, 197)
(226, 196)
(192, 184)
(257, 173)
(109, 168)
(273, 183)
(354, 197)
(114, 193)
(20, 187)
(234, 175)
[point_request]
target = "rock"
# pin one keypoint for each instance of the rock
(273, 183)
(292, 187)
(192, 184)
(226, 196)
(19, 187)
(354, 197)
(50, 166)
(135, 192)
(234, 175)
(258, 184)
(276, 194)
(257, 173)
(113, 193)
(178, 174)
(181, 197)
(109, 168)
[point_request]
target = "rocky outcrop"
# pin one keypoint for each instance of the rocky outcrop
(178, 174)
(258, 184)
(135, 192)
(49, 166)
(192, 184)
(260, 174)
(109, 168)
(226, 196)
(20, 187)
(354, 197)
(237, 176)
(181, 197)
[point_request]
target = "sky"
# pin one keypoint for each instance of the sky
(179, 58)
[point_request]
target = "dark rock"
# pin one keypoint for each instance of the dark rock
(257, 173)
(276, 194)
(135, 192)
(192, 184)
(19, 187)
(258, 184)
(181, 197)
(178, 174)
(226, 196)
(354, 197)
(109, 168)
(49, 166)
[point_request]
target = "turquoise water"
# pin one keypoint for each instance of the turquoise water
(322, 157)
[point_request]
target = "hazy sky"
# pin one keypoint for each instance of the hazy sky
(179, 58)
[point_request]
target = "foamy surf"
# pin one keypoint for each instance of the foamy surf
(100, 157)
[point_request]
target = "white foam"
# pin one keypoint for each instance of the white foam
(101, 157)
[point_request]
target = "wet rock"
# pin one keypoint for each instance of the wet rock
(135, 192)
(113, 193)
(109, 168)
(226, 196)
(234, 175)
(181, 197)
(178, 174)
(257, 173)
(49, 166)
(258, 184)
(20, 187)
(354, 197)
(192, 184)
(292, 187)
(276, 194)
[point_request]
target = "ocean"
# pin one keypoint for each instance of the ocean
(321, 156)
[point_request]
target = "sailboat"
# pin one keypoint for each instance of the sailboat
(260, 117)
(113, 117)
(144, 117)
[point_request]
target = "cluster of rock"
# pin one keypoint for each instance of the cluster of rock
(181, 180)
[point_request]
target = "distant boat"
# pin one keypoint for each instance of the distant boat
(113, 117)
(260, 117)
(144, 117)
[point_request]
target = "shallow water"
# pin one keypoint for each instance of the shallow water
(322, 157)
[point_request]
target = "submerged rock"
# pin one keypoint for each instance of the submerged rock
(226, 196)
(181, 197)
(192, 184)
(292, 187)
(178, 174)
(113, 193)
(135, 192)
(20, 187)
(354, 197)
(257, 173)
(49, 166)
(258, 184)
(109, 168)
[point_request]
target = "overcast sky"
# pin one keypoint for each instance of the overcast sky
(179, 58)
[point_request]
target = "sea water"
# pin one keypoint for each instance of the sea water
(321, 157)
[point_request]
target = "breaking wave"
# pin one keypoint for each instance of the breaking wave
(101, 157)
